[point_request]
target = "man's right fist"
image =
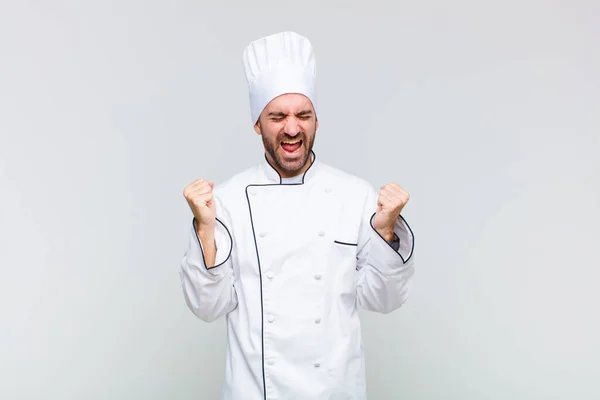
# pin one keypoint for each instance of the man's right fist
(200, 199)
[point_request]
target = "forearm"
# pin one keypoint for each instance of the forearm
(386, 268)
(209, 247)
(381, 292)
(206, 236)
(387, 233)
(209, 295)
(207, 273)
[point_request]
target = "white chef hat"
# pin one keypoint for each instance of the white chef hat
(279, 64)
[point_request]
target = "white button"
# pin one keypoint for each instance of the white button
(317, 277)
(271, 318)
(270, 274)
(270, 361)
(262, 234)
(252, 192)
(328, 190)
(318, 321)
(317, 365)
(321, 233)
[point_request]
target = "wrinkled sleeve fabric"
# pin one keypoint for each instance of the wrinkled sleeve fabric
(384, 274)
(209, 292)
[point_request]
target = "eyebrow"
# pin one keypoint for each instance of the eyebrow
(281, 114)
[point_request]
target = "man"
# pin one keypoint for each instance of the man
(289, 249)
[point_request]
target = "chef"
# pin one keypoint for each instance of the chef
(289, 249)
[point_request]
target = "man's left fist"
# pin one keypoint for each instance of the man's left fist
(392, 199)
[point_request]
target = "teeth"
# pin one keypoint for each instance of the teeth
(291, 142)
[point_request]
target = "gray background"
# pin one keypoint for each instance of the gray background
(486, 112)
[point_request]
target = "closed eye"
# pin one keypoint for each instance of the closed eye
(304, 114)
(276, 116)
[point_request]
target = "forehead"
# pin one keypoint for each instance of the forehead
(290, 102)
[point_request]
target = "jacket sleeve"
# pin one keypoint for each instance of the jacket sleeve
(209, 292)
(384, 274)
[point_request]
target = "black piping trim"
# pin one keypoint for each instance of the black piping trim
(345, 244)
(397, 252)
(314, 158)
(262, 317)
(200, 244)
(272, 167)
(262, 313)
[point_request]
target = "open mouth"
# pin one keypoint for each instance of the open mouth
(291, 146)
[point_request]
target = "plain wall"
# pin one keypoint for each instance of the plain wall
(488, 113)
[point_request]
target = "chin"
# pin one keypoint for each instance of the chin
(291, 166)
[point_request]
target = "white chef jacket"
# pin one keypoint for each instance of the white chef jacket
(294, 262)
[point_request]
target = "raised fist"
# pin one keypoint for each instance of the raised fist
(199, 195)
(392, 199)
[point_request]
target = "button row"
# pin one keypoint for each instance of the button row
(271, 275)
(271, 361)
(271, 318)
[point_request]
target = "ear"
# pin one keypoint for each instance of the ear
(317, 124)
(257, 127)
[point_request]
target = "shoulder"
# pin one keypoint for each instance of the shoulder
(237, 182)
(344, 180)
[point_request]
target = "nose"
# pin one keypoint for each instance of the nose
(292, 127)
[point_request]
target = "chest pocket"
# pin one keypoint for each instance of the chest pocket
(342, 252)
(346, 232)
(342, 264)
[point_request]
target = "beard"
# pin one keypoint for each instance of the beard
(291, 166)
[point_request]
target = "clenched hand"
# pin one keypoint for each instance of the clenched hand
(392, 199)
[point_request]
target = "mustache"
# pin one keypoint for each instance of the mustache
(285, 136)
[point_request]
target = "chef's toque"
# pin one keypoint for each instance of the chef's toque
(279, 64)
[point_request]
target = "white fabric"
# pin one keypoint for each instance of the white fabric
(279, 64)
(295, 263)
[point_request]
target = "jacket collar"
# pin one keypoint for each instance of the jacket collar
(273, 175)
